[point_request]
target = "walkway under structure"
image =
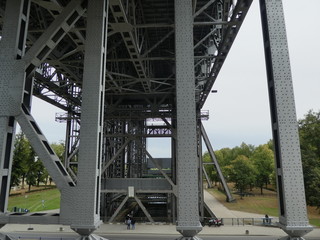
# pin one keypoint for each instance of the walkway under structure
(125, 71)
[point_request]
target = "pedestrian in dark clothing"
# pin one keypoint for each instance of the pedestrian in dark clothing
(128, 221)
(133, 223)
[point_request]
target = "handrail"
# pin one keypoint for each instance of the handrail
(250, 221)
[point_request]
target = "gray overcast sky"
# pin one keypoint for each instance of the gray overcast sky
(239, 112)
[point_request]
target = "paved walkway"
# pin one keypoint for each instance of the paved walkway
(159, 229)
(222, 212)
(216, 207)
(162, 228)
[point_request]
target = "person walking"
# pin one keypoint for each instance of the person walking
(133, 223)
(128, 224)
(128, 221)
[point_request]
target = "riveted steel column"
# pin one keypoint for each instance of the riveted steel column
(188, 223)
(12, 48)
(87, 196)
(292, 205)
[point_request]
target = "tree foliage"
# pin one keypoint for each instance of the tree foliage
(31, 168)
(20, 152)
(243, 163)
(309, 132)
(26, 166)
(242, 173)
(210, 168)
(263, 161)
(59, 149)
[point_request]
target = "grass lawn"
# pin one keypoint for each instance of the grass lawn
(261, 204)
(36, 201)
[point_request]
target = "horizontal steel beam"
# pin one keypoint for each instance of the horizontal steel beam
(139, 184)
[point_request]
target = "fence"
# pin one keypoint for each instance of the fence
(249, 221)
(243, 221)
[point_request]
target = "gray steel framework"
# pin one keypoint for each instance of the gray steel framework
(124, 72)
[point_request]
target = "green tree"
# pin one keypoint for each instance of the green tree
(41, 172)
(210, 168)
(224, 156)
(263, 161)
(31, 169)
(244, 149)
(21, 150)
(270, 145)
(59, 149)
(224, 160)
(309, 132)
(26, 166)
(242, 173)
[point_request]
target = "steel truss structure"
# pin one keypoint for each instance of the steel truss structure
(125, 71)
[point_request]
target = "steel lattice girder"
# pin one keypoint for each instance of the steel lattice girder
(140, 39)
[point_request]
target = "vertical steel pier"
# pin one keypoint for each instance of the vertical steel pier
(12, 82)
(187, 160)
(86, 213)
(292, 204)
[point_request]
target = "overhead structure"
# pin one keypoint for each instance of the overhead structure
(124, 72)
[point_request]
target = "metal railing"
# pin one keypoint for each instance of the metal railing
(249, 221)
(267, 222)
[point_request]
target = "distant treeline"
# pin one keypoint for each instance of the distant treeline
(27, 168)
(248, 166)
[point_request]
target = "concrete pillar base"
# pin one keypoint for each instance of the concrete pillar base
(292, 238)
(188, 238)
(91, 237)
(295, 232)
(189, 232)
(83, 231)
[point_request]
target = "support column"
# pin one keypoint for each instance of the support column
(174, 171)
(292, 204)
(188, 223)
(12, 48)
(87, 192)
(200, 168)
